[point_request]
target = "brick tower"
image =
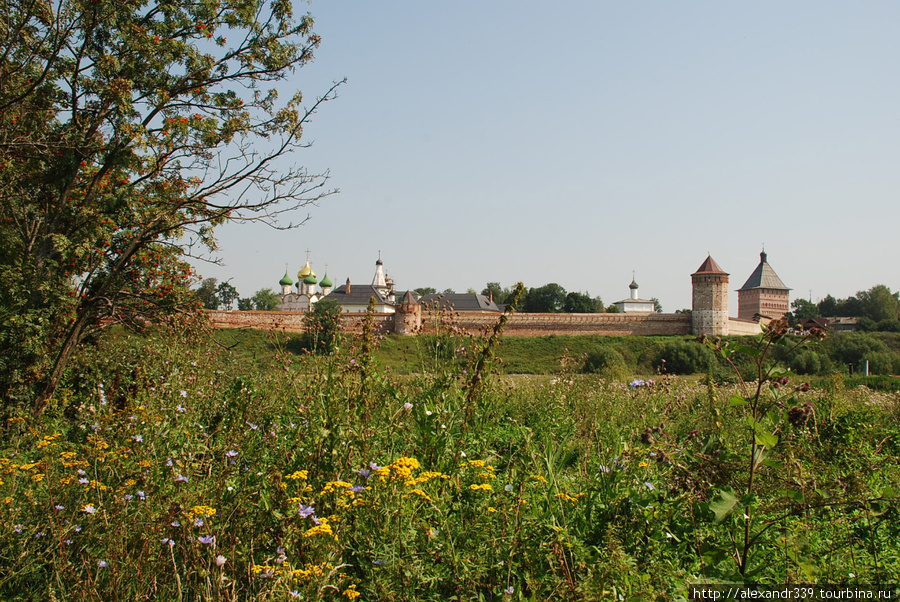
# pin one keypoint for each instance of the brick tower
(709, 299)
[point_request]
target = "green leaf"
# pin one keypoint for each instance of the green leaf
(723, 506)
(773, 463)
(770, 440)
(888, 492)
(747, 350)
(737, 401)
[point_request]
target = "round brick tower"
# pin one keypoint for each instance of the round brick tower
(709, 300)
(408, 315)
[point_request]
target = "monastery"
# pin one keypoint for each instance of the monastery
(761, 299)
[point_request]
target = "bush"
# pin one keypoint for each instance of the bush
(323, 327)
(606, 362)
(806, 361)
(682, 357)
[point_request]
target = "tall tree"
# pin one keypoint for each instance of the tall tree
(266, 300)
(128, 132)
(550, 298)
(206, 293)
(227, 295)
(581, 303)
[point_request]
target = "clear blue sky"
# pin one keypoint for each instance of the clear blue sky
(573, 142)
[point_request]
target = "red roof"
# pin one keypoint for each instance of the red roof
(710, 267)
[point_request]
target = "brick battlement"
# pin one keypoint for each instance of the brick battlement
(519, 325)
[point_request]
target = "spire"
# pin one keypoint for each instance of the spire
(379, 280)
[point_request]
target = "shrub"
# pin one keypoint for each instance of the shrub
(683, 357)
(606, 362)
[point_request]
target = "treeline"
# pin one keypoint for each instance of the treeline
(553, 298)
(877, 309)
(222, 295)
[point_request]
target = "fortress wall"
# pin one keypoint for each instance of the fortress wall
(521, 325)
(743, 327)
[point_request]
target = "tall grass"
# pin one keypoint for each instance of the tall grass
(175, 470)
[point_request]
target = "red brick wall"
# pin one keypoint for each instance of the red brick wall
(520, 325)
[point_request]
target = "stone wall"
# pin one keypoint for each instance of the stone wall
(520, 325)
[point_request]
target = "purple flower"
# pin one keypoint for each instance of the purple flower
(378, 562)
(315, 520)
(198, 522)
(407, 406)
(306, 511)
(175, 523)
(78, 528)
(181, 479)
(102, 564)
(81, 472)
(604, 468)
(357, 488)
(169, 462)
(649, 485)
(183, 393)
(637, 383)
(510, 590)
(128, 497)
(138, 438)
(83, 481)
(180, 408)
(295, 594)
(18, 528)
(142, 495)
(207, 540)
(231, 453)
(364, 472)
(68, 542)
(374, 466)
(167, 541)
(252, 426)
(89, 509)
(59, 507)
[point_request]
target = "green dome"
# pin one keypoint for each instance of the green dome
(326, 282)
(311, 279)
(286, 281)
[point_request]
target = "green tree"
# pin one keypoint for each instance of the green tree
(879, 303)
(206, 293)
(227, 295)
(496, 292)
(425, 290)
(266, 300)
(245, 304)
(127, 134)
(323, 327)
(581, 303)
(550, 298)
(657, 306)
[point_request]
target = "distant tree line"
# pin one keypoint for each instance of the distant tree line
(876, 309)
(223, 295)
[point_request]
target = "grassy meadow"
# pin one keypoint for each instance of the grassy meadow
(237, 467)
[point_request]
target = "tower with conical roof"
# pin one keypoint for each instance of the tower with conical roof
(764, 295)
(380, 281)
(709, 299)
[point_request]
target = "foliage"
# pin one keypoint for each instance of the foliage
(657, 306)
(127, 133)
(172, 471)
(684, 357)
(550, 298)
(226, 294)
(266, 300)
(206, 293)
(877, 304)
(323, 327)
(582, 303)
(425, 290)
(606, 362)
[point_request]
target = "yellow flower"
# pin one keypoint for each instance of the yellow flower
(28, 466)
(538, 477)
(351, 592)
(643, 464)
(299, 475)
(67, 455)
(483, 487)
(37, 478)
(333, 485)
(568, 498)
(476, 463)
(201, 511)
(66, 480)
(323, 528)
(491, 509)
(419, 493)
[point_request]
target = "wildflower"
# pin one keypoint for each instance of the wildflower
(207, 540)
(428, 412)
(299, 475)
(88, 509)
(220, 560)
(253, 427)
(604, 468)
(482, 487)
(167, 542)
(18, 528)
(510, 590)
(407, 406)
(183, 393)
(351, 592)
(508, 488)
(322, 528)
(175, 523)
(419, 493)
(102, 564)
(364, 473)
(181, 479)
(198, 522)
(180, 408)
(128, 497)
(231, 453)
(649, 485)
(138, 438)
(638, 382)
(295, 594)
(142, 495)
(378, 562)
(59, 507)
(202, 511)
